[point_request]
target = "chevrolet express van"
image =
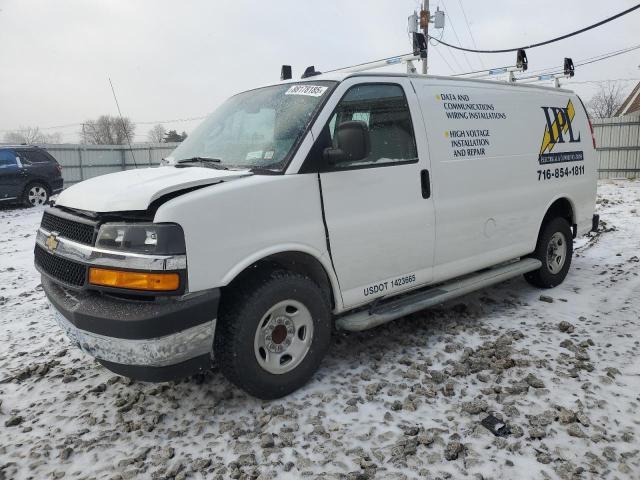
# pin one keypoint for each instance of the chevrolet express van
(337, 201)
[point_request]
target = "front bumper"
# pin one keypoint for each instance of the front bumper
(145, 340)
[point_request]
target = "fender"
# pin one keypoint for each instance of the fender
(322, 258)
(555, 198)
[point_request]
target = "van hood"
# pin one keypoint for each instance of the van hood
(136, 189)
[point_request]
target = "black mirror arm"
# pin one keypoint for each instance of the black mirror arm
(334, 155)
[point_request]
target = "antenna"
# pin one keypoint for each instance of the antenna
(124, 129)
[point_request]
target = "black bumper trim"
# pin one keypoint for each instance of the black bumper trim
(178, 371)
(131, 319)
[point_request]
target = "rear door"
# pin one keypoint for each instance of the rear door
(39, 165)
(378, 211)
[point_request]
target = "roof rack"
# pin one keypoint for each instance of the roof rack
(568, 72)
(420, 53)
(521, 66)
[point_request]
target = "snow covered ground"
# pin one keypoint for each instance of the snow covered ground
(403, 400)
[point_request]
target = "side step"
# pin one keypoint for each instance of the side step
(392, 309)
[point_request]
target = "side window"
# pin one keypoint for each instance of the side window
(34, 156)
(384, 110)
(7, 159)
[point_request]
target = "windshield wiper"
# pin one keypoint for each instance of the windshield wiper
(205, 161)
(200, 160)
(263, 171)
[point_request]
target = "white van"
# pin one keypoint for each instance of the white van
(342, 200)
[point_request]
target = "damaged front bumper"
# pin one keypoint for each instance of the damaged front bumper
(147, 340)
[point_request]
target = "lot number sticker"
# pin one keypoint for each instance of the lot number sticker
(309, 90)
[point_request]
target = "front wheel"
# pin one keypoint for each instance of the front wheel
(273, 331)
(554, 249)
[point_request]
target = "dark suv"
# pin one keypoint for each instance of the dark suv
(28, 175)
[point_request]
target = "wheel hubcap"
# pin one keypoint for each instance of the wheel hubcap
(37, 196)
(283, 337)
(556, 252)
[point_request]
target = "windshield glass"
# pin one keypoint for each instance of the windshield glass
(256, 129)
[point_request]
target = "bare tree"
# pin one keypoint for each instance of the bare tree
(607, 100)
(156, 134)
(107, 130)
(30, 135)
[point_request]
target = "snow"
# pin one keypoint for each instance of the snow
(81, 421)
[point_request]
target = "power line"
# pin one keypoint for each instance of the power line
(449, 51)
(609, 56)
(473, 40)
(148, 122)
(595, 57)
(602, 81)
(175, 120)
(546, 42)
(589, 61)
(556, 67)
(586, 61)
(560, 68)
(454, 32)
(124, 128)
(445, 60)
(55, 127)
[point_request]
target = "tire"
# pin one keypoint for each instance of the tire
(554, 249)
(35, 195)
(274, 310)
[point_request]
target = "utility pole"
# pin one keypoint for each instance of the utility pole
(424, 25)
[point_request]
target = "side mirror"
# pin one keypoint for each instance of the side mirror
(353, 142)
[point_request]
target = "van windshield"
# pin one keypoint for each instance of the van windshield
(256, 129)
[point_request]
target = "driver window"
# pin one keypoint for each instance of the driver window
(384, 109)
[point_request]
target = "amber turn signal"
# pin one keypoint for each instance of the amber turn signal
(157, 282)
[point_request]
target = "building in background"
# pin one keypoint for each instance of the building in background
(631, 104)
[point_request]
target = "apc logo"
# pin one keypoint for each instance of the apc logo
(559, 129)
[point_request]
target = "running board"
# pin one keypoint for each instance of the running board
(393, 309)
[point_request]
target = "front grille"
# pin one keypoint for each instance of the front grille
(76, 231)
(66, 271)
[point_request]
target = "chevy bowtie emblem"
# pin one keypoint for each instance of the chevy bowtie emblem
(52, 242)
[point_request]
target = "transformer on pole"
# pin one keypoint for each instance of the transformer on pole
(419, 21)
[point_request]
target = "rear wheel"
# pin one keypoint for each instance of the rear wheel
(36, 194)
(273, 331)
(554, 249)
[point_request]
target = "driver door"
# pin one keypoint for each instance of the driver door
(379, 211)
(11, 175)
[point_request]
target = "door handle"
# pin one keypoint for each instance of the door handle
(425, 183)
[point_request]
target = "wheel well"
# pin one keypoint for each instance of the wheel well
(37, 182)
(294, 262)
(560, 208)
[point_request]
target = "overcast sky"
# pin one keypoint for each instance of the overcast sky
(174, 60)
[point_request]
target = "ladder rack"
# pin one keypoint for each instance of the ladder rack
(420, 53)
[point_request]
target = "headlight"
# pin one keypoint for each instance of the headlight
(152, 238)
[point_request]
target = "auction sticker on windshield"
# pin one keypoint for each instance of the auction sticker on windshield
(309, 90)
